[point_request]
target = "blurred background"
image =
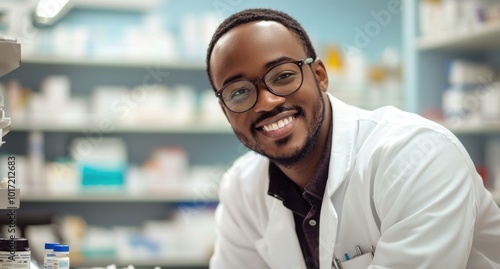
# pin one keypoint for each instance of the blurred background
(120, 143)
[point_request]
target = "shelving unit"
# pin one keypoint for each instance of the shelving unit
(209, 142)
(426, 75)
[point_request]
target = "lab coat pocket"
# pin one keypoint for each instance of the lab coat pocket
(359, 262)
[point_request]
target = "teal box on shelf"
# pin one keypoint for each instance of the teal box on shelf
(103, 175)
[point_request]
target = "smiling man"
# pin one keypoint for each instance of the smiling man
(327, 184)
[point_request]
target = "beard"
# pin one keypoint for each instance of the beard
(313, 130)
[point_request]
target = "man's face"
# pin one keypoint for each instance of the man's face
(247, 52)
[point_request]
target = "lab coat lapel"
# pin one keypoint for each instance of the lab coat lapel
(280, 246)
(327, 233)
(344, 130)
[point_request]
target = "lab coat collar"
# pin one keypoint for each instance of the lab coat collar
(344, 118)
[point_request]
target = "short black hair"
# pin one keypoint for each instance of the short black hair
(259, 14)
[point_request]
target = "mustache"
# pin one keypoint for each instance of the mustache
(274, 112)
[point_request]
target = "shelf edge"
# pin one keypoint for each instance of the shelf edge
(194, 127)
(167, 196)
(483, 128)
(451, 40)
(111, 62)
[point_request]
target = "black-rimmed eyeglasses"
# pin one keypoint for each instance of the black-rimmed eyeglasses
(281, 80)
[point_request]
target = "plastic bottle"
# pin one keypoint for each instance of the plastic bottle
(14, 253)
(61, 259)
(48, 259)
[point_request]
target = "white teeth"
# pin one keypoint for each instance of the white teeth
(277, 125)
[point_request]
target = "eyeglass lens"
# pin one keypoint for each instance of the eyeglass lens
(281, 80)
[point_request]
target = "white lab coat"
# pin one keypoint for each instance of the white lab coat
(409, 173)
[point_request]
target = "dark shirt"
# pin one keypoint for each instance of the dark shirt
(306, 206)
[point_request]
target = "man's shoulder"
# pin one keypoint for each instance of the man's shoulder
(389, 128)
(392, 118)
(250, 171)
(386, 118)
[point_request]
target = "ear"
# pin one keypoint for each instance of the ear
(320, 74)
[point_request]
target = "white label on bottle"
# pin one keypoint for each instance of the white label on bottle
(48, 261)
(15, 260)
(61, 263)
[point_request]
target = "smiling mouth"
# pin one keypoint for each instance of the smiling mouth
(277, 125)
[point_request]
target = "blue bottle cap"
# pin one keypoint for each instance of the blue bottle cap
(50, 245)
(61, 248)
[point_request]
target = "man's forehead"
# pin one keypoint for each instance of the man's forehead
(262, 34)
(248, 48)
(268, 24)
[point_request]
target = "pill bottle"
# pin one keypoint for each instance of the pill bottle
(14, 253)
(48, 259)
(61, 260)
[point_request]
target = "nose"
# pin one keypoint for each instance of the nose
(266, 100)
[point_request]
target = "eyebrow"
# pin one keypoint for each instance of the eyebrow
(268, 65)
(277, 61)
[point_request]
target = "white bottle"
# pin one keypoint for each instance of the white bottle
(61, 259)
(48, 259)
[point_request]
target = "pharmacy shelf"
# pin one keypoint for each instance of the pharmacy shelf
(111, 62)
(473, 129)
(483, 37)
(80, 126)
(496, 196)
(169, 196)
(142, 263)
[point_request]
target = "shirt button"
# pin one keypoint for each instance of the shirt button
(312, 222)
